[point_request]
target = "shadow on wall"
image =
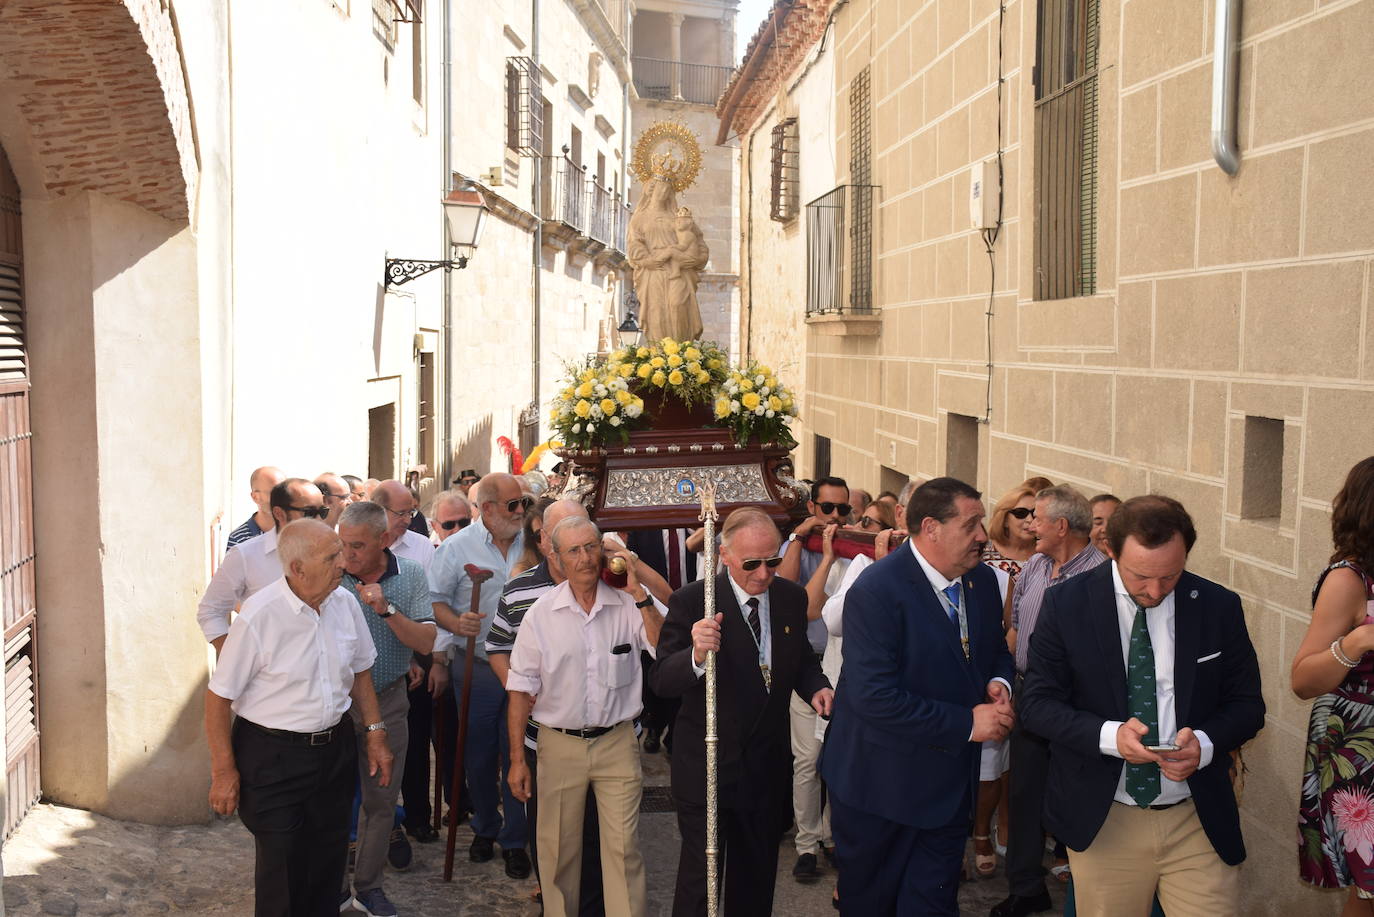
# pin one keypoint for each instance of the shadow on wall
(473, 448)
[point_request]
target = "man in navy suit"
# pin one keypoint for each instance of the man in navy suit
(926, 679)
(1134, 655)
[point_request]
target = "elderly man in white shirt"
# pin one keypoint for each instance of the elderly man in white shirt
(576, 663)
(296, 658)
(254, 563)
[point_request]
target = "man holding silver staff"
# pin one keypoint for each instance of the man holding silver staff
(759, 634)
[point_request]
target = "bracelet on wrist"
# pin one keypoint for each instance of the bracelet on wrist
(1340, 655)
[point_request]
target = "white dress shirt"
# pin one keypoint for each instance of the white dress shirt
(765, 625)
(1159, 621)
(249, 567)
(566, 657)
(286, 667)
(414, 546)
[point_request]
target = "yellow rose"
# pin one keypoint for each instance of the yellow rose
(642, 352)
(675, 377)
(746, 385)
(624, 397)
(656, 362)
(774, 403)
(722, 407)
(694, 367)
(713, 363)
(583, 408)
(567, 394)
(644, 370)
(626, 370)
(692, 353)
(703, 377)
(674, 360)
(584, 390)
(587, 375)
(750, 400)
(617, 356)
(607, 406)
(670, 346)
(658, 379)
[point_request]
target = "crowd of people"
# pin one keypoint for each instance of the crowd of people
(895, 676)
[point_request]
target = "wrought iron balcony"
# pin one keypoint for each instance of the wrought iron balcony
(701, 84)
(839, 251)
(565, 199)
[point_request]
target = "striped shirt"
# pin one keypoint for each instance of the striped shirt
(520, 593)
(249, 529)
(1030, 589)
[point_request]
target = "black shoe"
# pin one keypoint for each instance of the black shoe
(1021, 905)
(651, 744)
(482, 849)
(805, 870)
(425, 833)
(517, 863)
(398, 852)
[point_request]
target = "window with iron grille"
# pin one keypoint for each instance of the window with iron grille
(1066, 148)
(861, 198)
(524, 107)
(786, 147)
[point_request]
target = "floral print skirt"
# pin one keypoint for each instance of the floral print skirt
(1336, 814)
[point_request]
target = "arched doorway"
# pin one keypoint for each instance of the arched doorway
(16, 517)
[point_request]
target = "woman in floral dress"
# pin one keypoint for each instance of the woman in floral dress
(1335, 664)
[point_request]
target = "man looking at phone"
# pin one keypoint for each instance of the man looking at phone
(1143, 679)
(1061, 523)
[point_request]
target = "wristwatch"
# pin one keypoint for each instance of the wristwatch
(647, 603)
(390, 610)
(376, 727)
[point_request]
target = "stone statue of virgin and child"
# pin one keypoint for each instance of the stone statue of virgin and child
(667, 253)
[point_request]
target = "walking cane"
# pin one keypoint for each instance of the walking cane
(708, 518)
(478, 576)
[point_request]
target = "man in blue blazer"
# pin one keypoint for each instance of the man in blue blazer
(1143, 679)
(926, 679)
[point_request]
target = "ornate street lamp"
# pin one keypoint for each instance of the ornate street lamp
(629, 331)
(466, 213)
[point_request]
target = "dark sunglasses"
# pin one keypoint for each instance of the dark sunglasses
(524, 503)
(752, 563)
(448, 526)
(868, 521)
(310, 512)
(828, 508)
(1022, 512)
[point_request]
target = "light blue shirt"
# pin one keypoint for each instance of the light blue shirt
(448, 583)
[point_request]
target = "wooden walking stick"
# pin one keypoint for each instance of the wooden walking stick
(478, 576)
(708, 518)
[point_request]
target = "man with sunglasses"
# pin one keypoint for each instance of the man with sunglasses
(254, 563)
(452, 514)
(495, 542)
(763, 659)
(829, 509)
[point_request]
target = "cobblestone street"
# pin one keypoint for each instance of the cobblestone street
(69, 862)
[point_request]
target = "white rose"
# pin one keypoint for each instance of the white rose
(633, 409)
(758, 380)
(759, 410)
(591, 428)
(577, 428)
(768, 414)
(734, 406)
(765, 390)
(600, 389)
(615, 421)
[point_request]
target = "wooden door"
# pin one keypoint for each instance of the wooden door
(17, 603)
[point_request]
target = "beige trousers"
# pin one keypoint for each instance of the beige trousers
(610, 764)
(813, 821)
(1141, 851)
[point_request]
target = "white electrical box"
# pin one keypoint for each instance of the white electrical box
(984, 189)
(492, 178)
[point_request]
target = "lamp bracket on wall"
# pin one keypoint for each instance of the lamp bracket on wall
(404, 270)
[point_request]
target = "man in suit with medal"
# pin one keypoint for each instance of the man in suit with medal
(759, 635)
(926, 679)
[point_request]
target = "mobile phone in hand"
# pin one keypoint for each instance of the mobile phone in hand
(1157, 749)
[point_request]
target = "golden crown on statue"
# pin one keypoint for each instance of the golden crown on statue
(667, 151)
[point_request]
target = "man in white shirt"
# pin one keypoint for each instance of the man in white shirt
(399, 503)
(254, 563)
(576, 665)
(337, 495)
(298, 656)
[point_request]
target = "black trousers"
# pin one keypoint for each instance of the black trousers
(1030, 768)
(749, 862)
(297, 800)
(591, 901)
(659, 712)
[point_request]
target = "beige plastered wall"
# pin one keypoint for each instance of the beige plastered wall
(1218, 299)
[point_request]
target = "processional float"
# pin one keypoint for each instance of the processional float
(672, 432)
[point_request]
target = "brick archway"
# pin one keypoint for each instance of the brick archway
(100, 98)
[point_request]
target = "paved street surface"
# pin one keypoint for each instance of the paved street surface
(68, 862)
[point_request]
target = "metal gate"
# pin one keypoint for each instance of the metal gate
(16, 518)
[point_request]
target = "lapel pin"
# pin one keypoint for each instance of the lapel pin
(1193, 594)
(786, 629)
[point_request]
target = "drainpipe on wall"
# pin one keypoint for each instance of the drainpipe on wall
(446, 183)
(1225, 64)
(537, 174)
(625, 276)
